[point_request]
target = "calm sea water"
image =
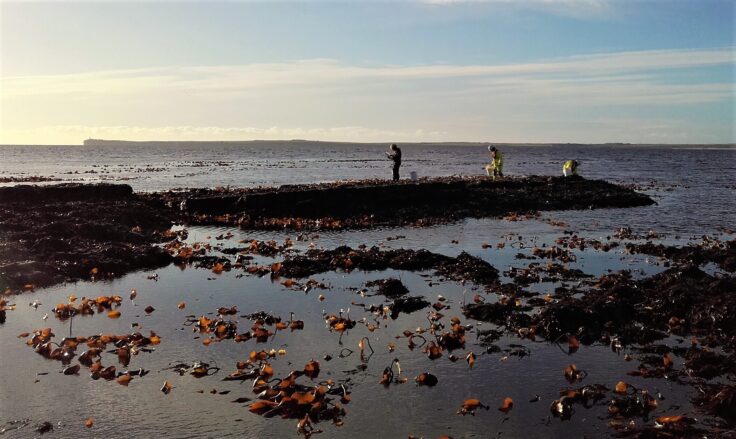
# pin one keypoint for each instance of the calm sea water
(695, 189)
(695, 186)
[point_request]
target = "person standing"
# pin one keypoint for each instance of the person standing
(495, 168)
(395, 155)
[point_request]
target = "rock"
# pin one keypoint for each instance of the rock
(407, 305)
(44, 427)
(371, 203)
(390, 287)
(53, 234)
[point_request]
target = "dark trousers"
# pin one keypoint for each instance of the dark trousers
(396, 172)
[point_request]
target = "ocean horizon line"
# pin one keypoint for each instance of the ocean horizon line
(117, 142)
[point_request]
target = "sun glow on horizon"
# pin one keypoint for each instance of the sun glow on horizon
(586, 93)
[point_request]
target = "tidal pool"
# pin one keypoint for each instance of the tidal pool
(33, 389)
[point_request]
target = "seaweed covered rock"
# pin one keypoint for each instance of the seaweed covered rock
(468, 267)
(345, 258)
(721, 253)
(465, 267)
(592, 318)
(682, 300)
(718, 400)
(495, 312)
(708, 364)
(370, 203)
(68, 232)
(689, 301)
(407, 305)
(390, 287)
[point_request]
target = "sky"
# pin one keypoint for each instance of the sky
(580, 71)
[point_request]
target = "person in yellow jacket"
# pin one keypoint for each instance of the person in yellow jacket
(495, 168)
(570, 168)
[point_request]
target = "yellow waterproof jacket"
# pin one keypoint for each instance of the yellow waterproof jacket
(568, 165)
(498, 161)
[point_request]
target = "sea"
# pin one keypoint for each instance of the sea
(694, 187)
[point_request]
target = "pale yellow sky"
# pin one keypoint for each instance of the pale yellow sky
(366, 72)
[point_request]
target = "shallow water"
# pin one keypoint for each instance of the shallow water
(695, 193)
(141, 410)
(694, 186)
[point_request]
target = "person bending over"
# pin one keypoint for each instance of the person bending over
(495, 168)
(570, 168)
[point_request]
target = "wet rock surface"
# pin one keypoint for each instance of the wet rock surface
(721, 253)
(684, 301)
(407, 305)
(550, 272)
(707, 364)
(56, 233)
(390, 287)
(718, 400)
(677, 324)
(680, 303)
(63, 233)
(463, 268)
(372, 203)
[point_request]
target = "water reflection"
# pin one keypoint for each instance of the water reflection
(190, 410)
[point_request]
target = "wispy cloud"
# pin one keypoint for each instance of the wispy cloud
(580, 9)
(623, 90)
(323, 72)
(326, 99)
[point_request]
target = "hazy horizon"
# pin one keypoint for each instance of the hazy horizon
(111, 142)
(567, 71)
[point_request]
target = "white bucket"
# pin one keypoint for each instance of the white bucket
(413, 175)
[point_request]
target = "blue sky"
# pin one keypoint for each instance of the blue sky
(521, 71)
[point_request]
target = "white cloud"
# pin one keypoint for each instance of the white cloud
(580, 9)
(624, 90)
(328, 100)
(323, 71)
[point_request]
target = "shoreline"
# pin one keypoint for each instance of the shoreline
(61, 233)
(375, 203)
(114, 143)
